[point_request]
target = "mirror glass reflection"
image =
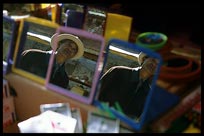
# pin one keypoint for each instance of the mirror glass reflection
(9, 27)
(81, 71)
(77, 55)
(127, 78)
(34, 48)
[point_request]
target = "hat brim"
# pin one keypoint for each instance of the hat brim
(75, 39)
(141, 58)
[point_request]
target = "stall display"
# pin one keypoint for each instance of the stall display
(102, 72)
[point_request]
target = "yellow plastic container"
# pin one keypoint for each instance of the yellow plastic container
(117, 26)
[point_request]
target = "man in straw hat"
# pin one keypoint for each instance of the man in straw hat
(36, 61)
(128, 86)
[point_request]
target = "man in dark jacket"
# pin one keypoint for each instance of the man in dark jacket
(36, 61)
(128, 86)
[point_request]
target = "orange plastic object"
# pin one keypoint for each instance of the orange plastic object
(183, 65)
(117, 26)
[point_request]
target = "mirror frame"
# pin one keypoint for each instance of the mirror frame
(98, 68)
(98, 15)
(114, 112)
(22, 36)
(11, 46)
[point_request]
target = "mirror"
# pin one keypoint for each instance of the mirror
(95, 20)
(34, 37)
(127, 82)
(72, 15)
(9, 40)
(77, 76)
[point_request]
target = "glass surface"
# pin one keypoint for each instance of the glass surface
(69, 6)
(97, 123)
(125, 89)
(95, 21)
(9, 33)
(7, 36)
(83, 72)
(34, 38)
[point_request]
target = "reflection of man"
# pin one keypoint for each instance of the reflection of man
(128, 86)
(36, 61)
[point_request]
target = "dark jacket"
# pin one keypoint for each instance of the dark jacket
(119, 84)
(37, 63)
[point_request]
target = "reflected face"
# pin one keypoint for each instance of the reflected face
(149, 66)
(67, 50)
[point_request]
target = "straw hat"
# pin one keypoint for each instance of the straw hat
(75, 39)
(141, 58)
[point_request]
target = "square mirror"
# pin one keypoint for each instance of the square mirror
(10, 29)
(98, 123)
(95, 20)
(72, 15)
(32, 54)
(127, 82)
(74, 70)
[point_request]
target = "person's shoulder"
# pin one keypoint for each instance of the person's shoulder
(116, 69)
(33, 51)
(121, 67)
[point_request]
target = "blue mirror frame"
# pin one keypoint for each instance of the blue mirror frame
(137, 125)
(10, 38)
